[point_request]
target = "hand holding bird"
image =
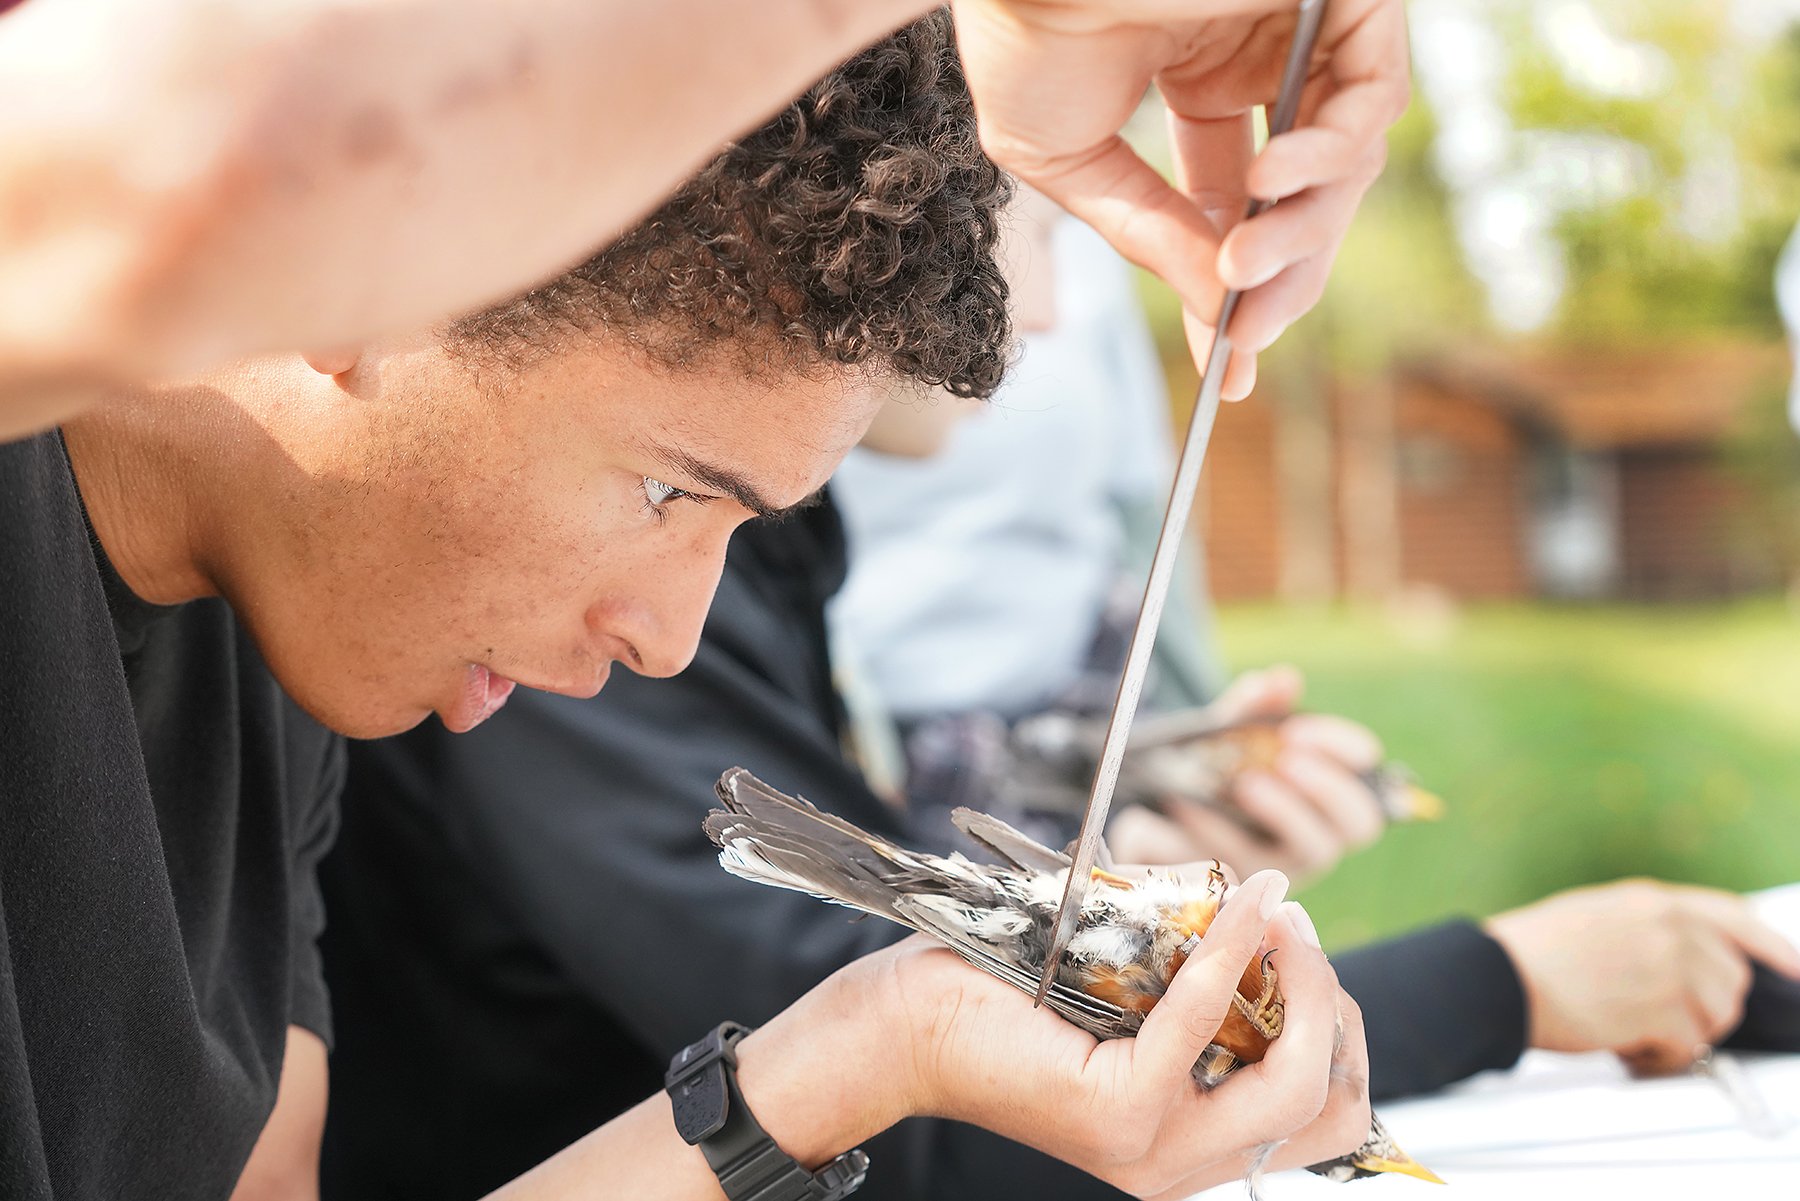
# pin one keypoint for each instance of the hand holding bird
(1165, 962)
(1247, 779)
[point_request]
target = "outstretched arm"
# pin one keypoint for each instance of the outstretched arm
(913, 1030)
(188, 182)
(185, 182)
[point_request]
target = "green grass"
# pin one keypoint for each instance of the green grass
(1572, 745)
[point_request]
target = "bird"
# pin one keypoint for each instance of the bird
(1132, 936)
(1185, 756)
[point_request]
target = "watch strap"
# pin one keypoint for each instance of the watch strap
(710, 1113)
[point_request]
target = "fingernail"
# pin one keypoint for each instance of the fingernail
(1303, 922)
(1274, 892)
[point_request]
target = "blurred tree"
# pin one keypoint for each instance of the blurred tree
(1708, 120)
(1401, 285)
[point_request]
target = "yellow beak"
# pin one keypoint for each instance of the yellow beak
(1400, 1164)
(1422, 806)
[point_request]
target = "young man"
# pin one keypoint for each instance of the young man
(526, 494)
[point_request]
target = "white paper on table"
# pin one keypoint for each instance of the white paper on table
(1780, 908)
(1573, 1127)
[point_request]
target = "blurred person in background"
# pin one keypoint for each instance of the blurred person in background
(488, 994)
(187, 183)
(998, 579)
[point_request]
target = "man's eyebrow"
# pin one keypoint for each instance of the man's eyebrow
(719, 479)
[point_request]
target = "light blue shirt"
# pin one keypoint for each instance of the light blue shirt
(977, 577)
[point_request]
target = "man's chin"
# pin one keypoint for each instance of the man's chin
(362, 722)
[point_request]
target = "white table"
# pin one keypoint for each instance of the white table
(1577, 1128)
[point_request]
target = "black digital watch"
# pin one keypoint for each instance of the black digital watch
(710, 1113)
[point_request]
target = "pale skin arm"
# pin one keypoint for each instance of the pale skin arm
(189, 182)
(284, 1166)
(186, 182)
(914, 1031)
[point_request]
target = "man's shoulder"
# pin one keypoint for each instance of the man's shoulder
(62, 685)
(42, 536)
(110, 897)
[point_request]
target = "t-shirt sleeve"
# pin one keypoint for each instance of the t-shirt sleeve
(1439, 1005)
(315, 826)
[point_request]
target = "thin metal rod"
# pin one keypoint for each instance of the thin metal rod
(1168, 544)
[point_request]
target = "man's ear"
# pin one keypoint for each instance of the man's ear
(335, 361)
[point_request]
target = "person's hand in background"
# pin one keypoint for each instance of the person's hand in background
(1313, 808)
(1056, 80)
(1655, 972)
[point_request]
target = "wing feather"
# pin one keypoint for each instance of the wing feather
(1011, 844)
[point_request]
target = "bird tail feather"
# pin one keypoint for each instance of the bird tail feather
(771, 838)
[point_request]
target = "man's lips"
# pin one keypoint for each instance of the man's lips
(483, 693)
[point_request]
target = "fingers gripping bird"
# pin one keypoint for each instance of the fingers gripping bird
(1134, 934)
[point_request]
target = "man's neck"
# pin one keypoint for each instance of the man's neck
(142, 463)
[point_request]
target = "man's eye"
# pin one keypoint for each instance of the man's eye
(659, 493)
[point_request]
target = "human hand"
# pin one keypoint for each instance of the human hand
(1055, 81)
(1312, 808)
(1128, 1110)
(1653, 971)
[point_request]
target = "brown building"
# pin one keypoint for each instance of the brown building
(1591, 476)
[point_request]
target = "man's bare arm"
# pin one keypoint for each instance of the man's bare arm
(185, 182)
(284, 1166)
(913, 1030)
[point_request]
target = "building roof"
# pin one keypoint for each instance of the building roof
(1643, 397)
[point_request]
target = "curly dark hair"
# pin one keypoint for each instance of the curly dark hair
(856, 228)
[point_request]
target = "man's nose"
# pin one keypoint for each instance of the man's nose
(663, 616)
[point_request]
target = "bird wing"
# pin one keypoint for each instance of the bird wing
(983, 914)
(1013, 845)
(767, 836)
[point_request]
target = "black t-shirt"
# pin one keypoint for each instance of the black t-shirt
(162, 808)
(527, 920)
